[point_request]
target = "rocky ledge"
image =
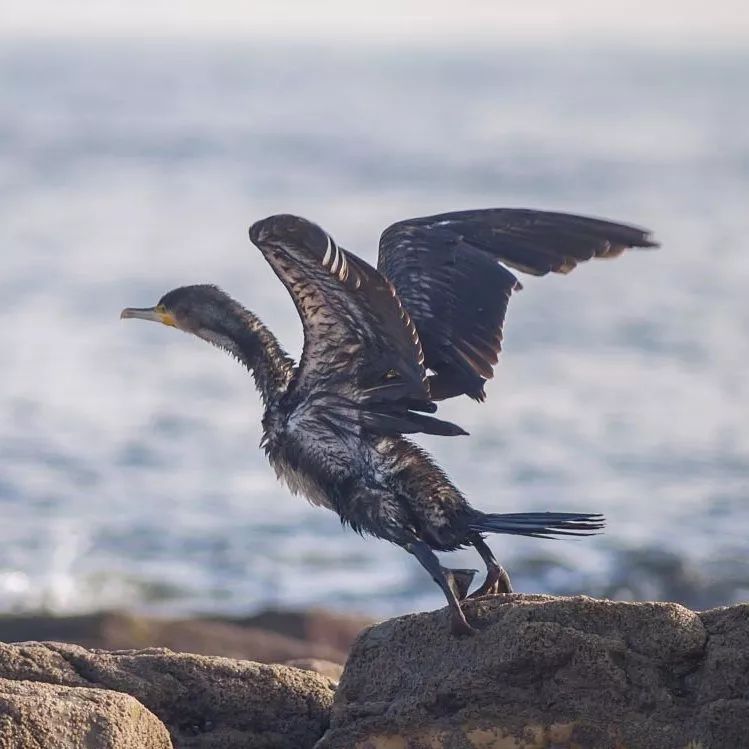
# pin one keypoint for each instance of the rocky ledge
(542, 673)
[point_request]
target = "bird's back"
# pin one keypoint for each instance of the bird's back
(437, 510)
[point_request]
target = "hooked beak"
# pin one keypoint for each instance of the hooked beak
(148, 313)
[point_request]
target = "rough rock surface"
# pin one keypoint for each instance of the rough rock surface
(206, 702)
(49, 716)
(269, 637)
(549, 673)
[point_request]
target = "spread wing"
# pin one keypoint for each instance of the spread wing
(446, 270)
(362, 367)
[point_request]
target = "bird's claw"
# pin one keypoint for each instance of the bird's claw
(460, 627)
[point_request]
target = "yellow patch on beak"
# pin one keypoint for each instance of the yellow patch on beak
(166, 318)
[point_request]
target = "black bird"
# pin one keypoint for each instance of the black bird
(333, 425)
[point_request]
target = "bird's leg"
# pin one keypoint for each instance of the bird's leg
(446, 580)
(497, 579)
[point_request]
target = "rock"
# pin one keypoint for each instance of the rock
(270, 637)
(542, 673)
(205, 702)
(48, 716)
(328, 669)
(549, 673)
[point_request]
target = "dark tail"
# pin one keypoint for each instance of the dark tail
(539, 524)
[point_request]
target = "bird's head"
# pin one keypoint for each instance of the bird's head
(211, 314)
(202, 310)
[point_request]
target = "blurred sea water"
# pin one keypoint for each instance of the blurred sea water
(130, 473)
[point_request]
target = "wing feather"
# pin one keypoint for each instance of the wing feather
(449, 272)
(362, 365)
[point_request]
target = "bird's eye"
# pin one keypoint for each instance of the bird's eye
(391, 374)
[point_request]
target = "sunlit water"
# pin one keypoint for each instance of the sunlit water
(130, 473)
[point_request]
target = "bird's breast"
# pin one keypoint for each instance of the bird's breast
(318, 463)
(300, 481)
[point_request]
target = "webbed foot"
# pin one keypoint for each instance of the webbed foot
(497, 583)
(459, 581)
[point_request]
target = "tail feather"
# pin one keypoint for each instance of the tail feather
(539, 524)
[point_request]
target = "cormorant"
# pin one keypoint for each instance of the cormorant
(381, 346)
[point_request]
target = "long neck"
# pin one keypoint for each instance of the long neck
(244, 336)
